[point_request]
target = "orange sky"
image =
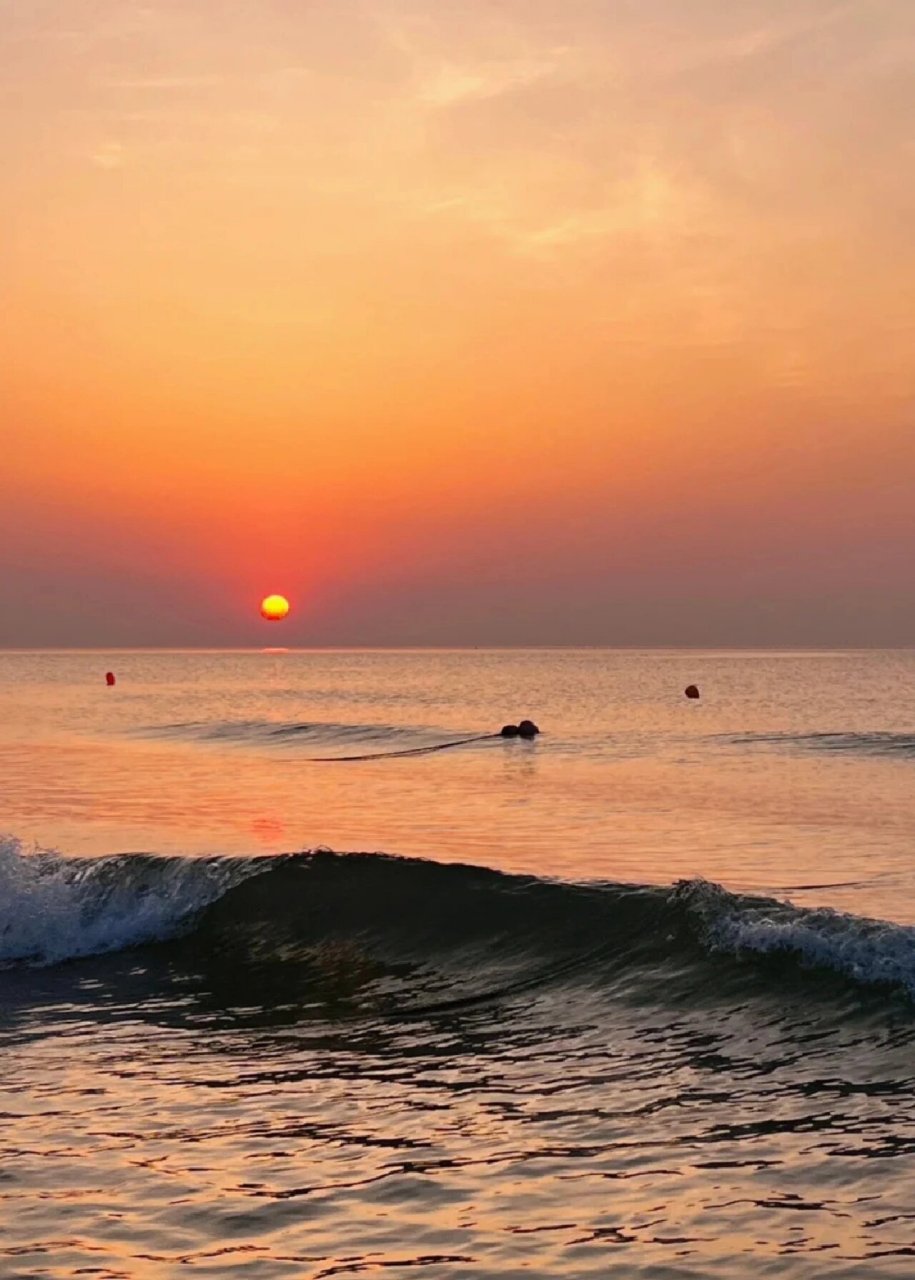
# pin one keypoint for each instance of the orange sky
(458, 321)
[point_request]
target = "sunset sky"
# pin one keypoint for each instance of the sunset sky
(457, 321)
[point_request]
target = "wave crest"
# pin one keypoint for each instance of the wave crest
(864, 950)
(458, 932)
(54, 908)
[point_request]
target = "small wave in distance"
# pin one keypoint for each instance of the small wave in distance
(328, 738)
(874, 744)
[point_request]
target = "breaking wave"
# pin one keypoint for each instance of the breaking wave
(422, 934)
(54, 908)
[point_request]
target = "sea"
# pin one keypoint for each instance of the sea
(306, 971)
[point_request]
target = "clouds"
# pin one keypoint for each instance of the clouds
(560, 130)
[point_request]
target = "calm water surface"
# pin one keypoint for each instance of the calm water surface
(645, 1007)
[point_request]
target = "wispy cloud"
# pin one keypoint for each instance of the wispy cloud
(108, 155)
(164, 83)
(452, 82)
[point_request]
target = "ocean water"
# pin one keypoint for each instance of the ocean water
(291, 986)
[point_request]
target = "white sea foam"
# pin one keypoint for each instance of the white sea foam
(869, 951)
(54, 908)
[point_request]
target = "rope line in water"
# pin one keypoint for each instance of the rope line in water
(410, 751)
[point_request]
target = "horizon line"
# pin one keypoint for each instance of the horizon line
(464, 648)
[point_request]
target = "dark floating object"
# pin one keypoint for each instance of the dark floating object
(526, 729)
(109, 678)
(691, 691)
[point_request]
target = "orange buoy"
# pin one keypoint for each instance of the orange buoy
(109, 678)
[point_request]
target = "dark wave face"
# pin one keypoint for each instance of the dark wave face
(363, 933)
(901, 745)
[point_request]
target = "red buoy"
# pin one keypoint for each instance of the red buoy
(109, 678)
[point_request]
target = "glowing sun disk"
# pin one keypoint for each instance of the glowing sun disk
(274, 608)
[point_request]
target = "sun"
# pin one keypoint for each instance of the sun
(274, 608)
